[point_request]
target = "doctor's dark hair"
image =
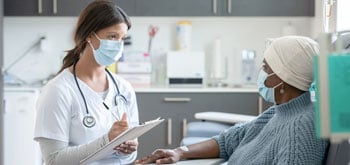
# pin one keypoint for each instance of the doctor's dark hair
(97, 15)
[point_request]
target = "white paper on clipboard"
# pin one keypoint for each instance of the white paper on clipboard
(129, 134)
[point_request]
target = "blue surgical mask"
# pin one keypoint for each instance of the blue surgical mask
(267, 93)
(109, 51)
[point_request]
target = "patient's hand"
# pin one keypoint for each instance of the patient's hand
(161, 156)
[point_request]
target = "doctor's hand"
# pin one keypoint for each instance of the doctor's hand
(118, 127)
(161, 156)
(127, 147)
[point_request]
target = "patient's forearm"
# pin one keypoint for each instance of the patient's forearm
(206, 149)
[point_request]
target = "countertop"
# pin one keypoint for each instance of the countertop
(167, 89)
(202, 89)
(196, 90)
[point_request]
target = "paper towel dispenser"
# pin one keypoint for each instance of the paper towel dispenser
(185, 68)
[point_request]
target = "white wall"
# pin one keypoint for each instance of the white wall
(343, 13)
(317, 20)
(22, 32)
(237, 33)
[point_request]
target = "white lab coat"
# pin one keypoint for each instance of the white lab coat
(61, 109)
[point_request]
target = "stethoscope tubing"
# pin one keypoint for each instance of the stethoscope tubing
(88, 120)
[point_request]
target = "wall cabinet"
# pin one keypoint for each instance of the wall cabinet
(167, 7)
(21, 7)
(267, 7)
(179, 108)
(44, 7)
(225, 7)
(175, 8)
(55, 7)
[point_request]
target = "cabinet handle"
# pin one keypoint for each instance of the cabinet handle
(169, 131)
(184, 128)
(54, 6)
(229, 4)
(260, 105)
(177, 99)
(40, 6)
(214, 6)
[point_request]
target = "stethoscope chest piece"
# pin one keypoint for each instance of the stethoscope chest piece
(89, 121)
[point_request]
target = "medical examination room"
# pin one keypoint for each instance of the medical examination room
(186, 82)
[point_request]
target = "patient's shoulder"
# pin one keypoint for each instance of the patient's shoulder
(265, 116)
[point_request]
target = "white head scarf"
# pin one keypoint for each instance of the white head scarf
(290, 57)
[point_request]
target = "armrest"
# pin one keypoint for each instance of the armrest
(214, 161)
(223, 117)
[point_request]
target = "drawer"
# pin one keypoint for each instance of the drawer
(190, 103)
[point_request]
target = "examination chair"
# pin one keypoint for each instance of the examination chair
(211, 124)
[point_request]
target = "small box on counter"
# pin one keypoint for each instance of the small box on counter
(134, 67)
(137, 80)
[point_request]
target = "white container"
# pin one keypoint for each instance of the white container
(183, 35)
(137, 79)
(185, 68)
(218, 64)
(134, 67)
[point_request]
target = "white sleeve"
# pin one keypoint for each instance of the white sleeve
(57, 152)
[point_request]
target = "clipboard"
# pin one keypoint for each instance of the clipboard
(129, 134)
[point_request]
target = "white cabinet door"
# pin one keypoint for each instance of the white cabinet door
(19, 121)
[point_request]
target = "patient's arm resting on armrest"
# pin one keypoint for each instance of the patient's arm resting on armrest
(224, 117)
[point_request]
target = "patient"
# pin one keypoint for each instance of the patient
(284, 133)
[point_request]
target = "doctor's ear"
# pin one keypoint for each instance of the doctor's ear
(88, 38)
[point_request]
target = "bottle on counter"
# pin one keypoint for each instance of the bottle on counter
(183, 35)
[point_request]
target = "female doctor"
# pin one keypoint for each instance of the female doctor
(85, 106)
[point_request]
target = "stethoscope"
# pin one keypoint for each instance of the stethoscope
(88, 120)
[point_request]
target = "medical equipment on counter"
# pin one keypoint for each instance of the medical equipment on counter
(89, 121)
(249, 69)
(332, 76)
(185, 68)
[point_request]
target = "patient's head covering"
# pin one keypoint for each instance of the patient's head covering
(290, 57)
